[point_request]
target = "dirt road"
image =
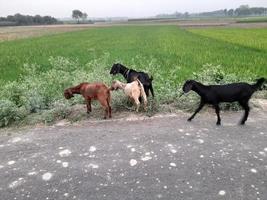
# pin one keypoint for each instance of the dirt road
(163, 157)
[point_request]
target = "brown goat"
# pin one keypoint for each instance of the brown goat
(92, 91)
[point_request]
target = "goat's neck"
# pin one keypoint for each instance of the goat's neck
(121, 85)
(124, 71)
(199, 88)
(75, 90)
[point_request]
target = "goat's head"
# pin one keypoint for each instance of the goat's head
(188, 86)
(115, 69)
(68, 94)
(262, 83)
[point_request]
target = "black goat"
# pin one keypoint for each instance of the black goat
(215, 94)
(130, 75)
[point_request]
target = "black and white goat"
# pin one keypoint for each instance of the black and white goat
(215, 94)
(131, 75)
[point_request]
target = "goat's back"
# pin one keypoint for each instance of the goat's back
(232, 92)
(132, 89)
(142, 77)
(92, 90)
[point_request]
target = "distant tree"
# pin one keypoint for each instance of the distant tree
(37, 19)
(20, 19)
(186, 15)
(10, 18)
(230, 12)
(225, 12)
(177, 14)
(84, 16)
(77, 14)
(242, 10)
(257, 11)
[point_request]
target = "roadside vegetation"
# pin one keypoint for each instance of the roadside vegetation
(35, 71)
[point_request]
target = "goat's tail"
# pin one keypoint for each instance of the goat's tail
(259, 83)
(143, 94)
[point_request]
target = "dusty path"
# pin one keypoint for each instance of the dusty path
(153, 158)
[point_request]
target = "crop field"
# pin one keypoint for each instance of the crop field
(252, 20)
(42, 67)
(238, 50)
(250, 38)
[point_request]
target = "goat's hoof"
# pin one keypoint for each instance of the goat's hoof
(218, 124)
(189, 120)
(242, 123)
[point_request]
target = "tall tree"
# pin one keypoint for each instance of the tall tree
(84, 16)
(77, 14)
(243, 10)
(231, 12)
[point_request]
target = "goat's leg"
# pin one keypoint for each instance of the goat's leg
(109, 112)
(145, 105)
(146, 88)
(88, 105)
(197, 110)
(137, 103)
(217, 110)
(109, 108)
(151, 89)
(245, 105)
(105, 106)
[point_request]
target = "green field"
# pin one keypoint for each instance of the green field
(252, 20)
(169, 53)
(240, 51)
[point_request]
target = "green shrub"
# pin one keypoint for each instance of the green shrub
(40, 94)
(9, 112)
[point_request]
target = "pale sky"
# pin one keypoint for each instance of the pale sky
(117, 8)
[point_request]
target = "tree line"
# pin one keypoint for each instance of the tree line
(243, 10)
(18, 20)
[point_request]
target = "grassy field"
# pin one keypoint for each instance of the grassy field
(254, 39)
(169, 53)
(252, 20)
(238, 50)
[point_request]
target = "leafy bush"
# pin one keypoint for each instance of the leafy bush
(9, 112)
(40, 93)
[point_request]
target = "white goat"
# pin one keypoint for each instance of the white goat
(133, 90)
